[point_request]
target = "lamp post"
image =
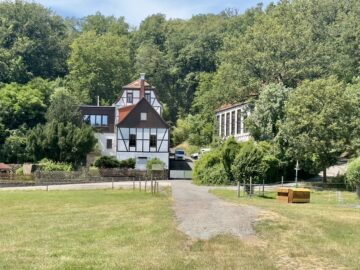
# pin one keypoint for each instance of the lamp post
(297, 168)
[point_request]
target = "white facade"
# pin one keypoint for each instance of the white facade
(148, 143)
(126, 100)
(231, 122)
(103, 142)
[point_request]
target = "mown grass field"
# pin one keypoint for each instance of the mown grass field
(119, 229)
(108, 229)
(324, 234)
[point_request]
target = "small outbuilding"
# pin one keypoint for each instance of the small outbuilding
(4, 170)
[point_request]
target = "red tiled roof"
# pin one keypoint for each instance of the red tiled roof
(231, 105)
(136, 85)
(3, 166)
(124, 111)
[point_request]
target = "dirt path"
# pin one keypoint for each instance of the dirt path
(203, 215)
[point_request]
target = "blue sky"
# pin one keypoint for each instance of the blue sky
(136, 10)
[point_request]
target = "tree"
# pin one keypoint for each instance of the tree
(13, 150)
(209, 169)
(61, 142)
(269, 113)
(317, 123)
(249, 162)
(353, 174)
(101, 24)
(63, 107)
(99, 65)
(229, 151)
(181, 131)
(24, 104)
(33, 42)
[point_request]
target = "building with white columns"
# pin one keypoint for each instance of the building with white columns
(230, 120)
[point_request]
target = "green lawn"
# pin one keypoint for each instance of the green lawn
(109, 229)
(324, 234)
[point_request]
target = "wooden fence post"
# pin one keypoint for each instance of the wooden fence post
(250, 186)
(238, 189)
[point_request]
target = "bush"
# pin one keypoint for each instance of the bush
(249, 162)
(49, 165)
(153, 161)
(128, 163)
(210, 170)
(94, 171)
(229, 151)
(107, 162)
(19, 171)
(353, 173)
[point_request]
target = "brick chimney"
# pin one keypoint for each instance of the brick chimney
(142, 85)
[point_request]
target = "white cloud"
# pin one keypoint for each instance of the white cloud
(136, 10)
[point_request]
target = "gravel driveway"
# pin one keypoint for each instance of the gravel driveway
(203, 215)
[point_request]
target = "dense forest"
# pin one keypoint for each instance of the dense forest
(48, 64)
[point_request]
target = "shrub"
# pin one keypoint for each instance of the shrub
(209, 169)
(128, 163)
(153, 161)
(94, 171)
(353, 172)
(229, 151)
(49, 165)
(107, 162)
(19, 171)
(249, 163)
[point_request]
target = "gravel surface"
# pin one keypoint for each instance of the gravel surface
(203, 215)
(103, 185)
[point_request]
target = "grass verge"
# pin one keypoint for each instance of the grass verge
(324, 234)
(109, 229)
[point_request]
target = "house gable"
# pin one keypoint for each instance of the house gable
(133, 118)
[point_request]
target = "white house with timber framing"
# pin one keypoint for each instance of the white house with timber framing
(132, 127)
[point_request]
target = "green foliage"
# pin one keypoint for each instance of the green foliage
(268, 114)
(249, 162)
(229, 151)
(107, 162)
(61, 142)
(19, 171)
(33, 42)
(14, 148)
(113, 162)
(99, 65)
(181, 132)
(154, 161)
(353, 172)
(209, 169)
(49, 166)
(24, 104)
(64, 107)
(318, 123)
(128, 163)
(101, 24)
(94, 171)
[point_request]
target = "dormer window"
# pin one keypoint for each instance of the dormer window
(129, 97)
(143, 116)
